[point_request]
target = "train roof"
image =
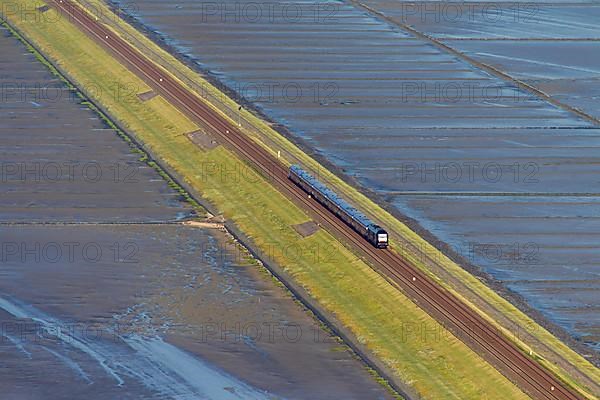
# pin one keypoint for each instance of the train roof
(331, 195)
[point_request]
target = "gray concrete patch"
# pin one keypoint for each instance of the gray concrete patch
(307, 228)
(147, 95)
(203, 140)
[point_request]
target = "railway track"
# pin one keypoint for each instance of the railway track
(450, 311)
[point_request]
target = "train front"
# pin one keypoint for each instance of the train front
(382, 239)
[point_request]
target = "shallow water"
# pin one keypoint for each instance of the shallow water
(158, 366)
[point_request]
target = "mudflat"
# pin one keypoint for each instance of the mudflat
(106, 293)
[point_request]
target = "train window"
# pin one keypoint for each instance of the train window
(382, 238)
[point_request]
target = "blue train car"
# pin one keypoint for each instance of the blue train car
(375, 234)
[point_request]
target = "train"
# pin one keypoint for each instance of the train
(372, 232)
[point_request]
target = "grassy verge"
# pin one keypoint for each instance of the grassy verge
(434, 363)
(422, 253)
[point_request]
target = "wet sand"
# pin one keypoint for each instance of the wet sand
(552, 46)
(104, 294)
(472, 158)
(177, 288)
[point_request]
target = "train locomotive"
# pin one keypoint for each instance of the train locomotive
(375, 234)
